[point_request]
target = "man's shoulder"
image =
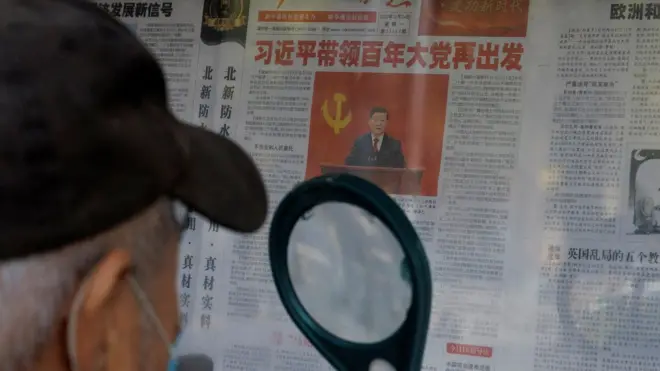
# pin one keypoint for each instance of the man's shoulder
(364, 137)
(392, 140)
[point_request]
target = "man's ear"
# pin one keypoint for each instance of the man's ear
(103, 282)
(108, 315)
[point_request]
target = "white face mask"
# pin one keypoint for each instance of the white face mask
(144, 303)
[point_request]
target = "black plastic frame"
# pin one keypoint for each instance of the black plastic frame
(405, 348)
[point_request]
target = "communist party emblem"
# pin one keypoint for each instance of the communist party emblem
(338, 121)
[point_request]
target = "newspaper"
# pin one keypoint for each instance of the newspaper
(525, 143)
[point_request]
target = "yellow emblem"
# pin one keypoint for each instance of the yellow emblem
(225, 15)
(338, 122)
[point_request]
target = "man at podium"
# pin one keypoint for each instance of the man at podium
(376, 148)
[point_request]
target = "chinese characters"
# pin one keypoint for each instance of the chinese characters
(185, 297)
(442, 55)
(484, 6)
(137, 10)
(208, 285)
(205, 93)
(638, 11)
(609, 255)
(227, 97)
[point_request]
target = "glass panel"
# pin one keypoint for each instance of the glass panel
(520, 137)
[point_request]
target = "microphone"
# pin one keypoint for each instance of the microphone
(194, 362)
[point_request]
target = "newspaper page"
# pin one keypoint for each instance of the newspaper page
(446, 86)
(595, 134)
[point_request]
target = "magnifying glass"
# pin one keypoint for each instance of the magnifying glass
(352, 274)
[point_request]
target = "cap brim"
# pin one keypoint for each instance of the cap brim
(220, 182)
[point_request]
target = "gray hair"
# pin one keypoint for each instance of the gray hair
(34, 290)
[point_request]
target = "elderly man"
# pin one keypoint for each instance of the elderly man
(94, 170)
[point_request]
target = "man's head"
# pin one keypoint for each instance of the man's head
(378, 120)
(83, 293)
(92, 163)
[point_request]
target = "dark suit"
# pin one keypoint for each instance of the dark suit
(363, 154)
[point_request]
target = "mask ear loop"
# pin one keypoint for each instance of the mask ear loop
(72, 325)
(148, 307)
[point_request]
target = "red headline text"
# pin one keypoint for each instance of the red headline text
(443, 55)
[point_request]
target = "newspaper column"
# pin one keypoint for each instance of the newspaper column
(207, 276)
(227, 100)
(205, 106)
(168, 31)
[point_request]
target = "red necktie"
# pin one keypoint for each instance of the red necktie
(375, 144)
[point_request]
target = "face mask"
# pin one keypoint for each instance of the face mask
(146, 306)
(171, 366)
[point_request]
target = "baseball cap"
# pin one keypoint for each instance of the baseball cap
(87, 139)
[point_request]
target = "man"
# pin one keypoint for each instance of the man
(94, 170)
(376, 148)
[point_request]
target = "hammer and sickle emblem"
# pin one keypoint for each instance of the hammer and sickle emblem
(338, 122)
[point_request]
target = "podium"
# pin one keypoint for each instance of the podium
(402, 181)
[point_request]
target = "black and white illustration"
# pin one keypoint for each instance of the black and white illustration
(643, 193)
